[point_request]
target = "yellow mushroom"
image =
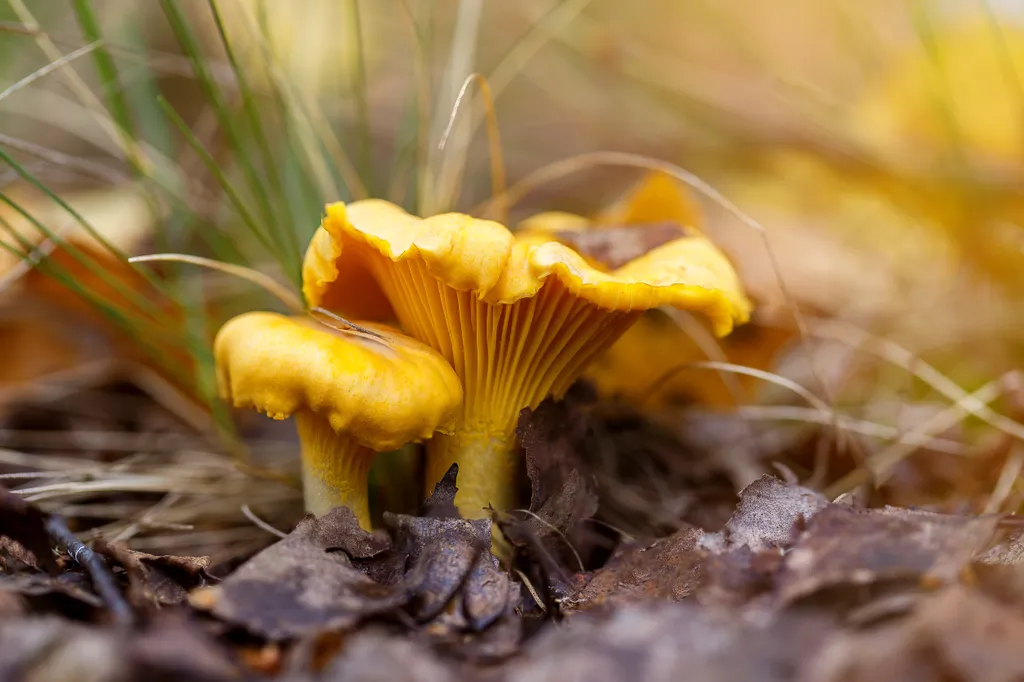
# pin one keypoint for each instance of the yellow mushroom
(518, 318)
(643, 366)
(352, 396)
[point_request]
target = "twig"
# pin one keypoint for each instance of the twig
(260, 523)
(102, 579)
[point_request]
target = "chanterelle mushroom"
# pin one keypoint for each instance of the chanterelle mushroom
(518, 318)
(352, 396)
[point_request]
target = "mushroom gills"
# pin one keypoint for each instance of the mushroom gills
(509, 356)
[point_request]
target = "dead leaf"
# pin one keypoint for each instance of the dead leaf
(847, 546)
(550, 541)
(668, 570)
(157, 580)
(955, 635)
(1008, 552)
(487, 594)
(737, 576)
(767, 517)
(13, 555)
(552, 438)
(441, 503)
(55, 650)
(26, 525)
(305, 583)
(455, 585)
(374, 655)
(457, 592)
(668, 642)
(443, 553)
(68, 594)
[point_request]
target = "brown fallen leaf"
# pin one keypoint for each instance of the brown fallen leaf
(738, 576)
(549, 539)
(1008, 552)
(562, 496)
(305, 583)
(47, 328)
(441, 503)
(667, 570)
(457, 592)
(435, 575)
(849, 547)
(955, 635)
(55, 650)
(375, 655)
(68, 594)
(25, 524)
(669, 642)
(743, 558)
(443, 553)
(157, 580)
(768, 516)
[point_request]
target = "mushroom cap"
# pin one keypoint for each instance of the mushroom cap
(656, 197)
(499, 267)
(382, 393)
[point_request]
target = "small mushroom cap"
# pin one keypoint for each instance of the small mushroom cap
(486, 258)
(382, 393)
(656, 197)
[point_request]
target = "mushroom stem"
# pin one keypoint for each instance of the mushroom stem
(335, 468)
(488, 465)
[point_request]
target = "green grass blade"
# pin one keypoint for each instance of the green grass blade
(214, 168)
(359, 87)
(272, 238)
(103, 241)
(145, 305)
(109, 80)
(294, 254)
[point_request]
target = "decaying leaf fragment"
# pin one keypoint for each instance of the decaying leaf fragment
(767, 516)
(306, 583)
(56, 650)
(956, 635)
(25, 525)
(158, 580)
(667, 570)
(668, 642)
(847, 546)
(433, 574)
(562, 496)
(455, 588)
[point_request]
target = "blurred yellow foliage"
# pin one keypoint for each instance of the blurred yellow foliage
(945, 126)
(960, 94)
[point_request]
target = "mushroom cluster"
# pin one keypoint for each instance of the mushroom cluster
(518, 316)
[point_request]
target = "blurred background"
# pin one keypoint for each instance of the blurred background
(861, 163)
